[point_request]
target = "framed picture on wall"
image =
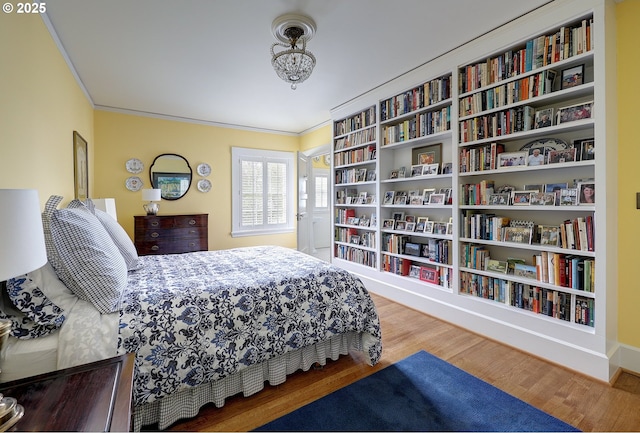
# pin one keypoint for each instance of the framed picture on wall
(80, 167)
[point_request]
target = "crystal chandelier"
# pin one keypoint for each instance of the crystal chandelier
(293, 63)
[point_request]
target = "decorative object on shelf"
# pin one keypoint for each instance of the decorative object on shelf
(23, 250)
(204, 185)
(134, 165)
(151, 195)
(294, 64)
(133, 183)
(204, 169)
(431, 154)
(81, 166)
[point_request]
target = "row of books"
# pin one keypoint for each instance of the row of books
(509, 93)
(352, 236)
(563, 270)
(480, 158)
(357, 138)
(440, 276)
(497, 124)
(367, 153)
(429, 93)
(421, 125)
(436, 250)
(475, 194)
(354, 175)
(356, 255)
(538, 52)
(542, 301)
(355, 122)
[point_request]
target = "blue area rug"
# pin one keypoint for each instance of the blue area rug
(419, 393)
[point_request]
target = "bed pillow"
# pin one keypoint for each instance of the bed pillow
(119, 237)
(31, 312)
(88, 262)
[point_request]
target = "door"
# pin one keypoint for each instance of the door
(304, 223)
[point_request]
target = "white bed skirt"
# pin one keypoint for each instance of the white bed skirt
(187, 403)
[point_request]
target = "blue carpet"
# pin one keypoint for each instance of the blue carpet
(419, 393)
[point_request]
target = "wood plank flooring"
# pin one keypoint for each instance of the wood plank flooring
(588, 404)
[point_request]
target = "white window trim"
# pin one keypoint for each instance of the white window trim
(237, 155)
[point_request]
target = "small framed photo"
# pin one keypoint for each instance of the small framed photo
(402, 172)
(502, 199)
(398, 216)
(536, 156)
(436, 199)
(586, 193)
(497, 266)
(573, 76)
(428, 227)
(426, 194)
(574, 112)
(362, 198)
(569, 197)
(512, 159)
(549, 235)
(520, 235)
(449, 228)
(401, 225)
(415, 200)
(556, 188)
(388, 197)
(533, 187)
(401, 197)
(388, 224)
(410, 227)
(447, 194)
(414, 271)
(543, 199)
(430, 169)
(410, 218)
(521, 198)
(526, 271)
(361, 175)
(562, 155)
(371, 176)
(416, 170)
(420, 223)
(429, 275)
(354, 239)
(412, 249)
(394, 174)
(447, 168)
(585, 148)
(543, 118)
(440, 228)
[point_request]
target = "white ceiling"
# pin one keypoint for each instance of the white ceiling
(209, 60)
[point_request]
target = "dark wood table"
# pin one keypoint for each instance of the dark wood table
(89, 397)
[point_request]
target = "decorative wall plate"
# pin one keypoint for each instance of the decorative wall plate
(134, 165)
(204, 169)
(204, 185)
(133, 183)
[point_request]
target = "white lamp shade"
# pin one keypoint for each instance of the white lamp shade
(22, 247)
(107, 205)
(151, 194)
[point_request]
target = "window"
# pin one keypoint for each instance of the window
(322, 191)
(262, 185)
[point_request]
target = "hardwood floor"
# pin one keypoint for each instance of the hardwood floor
(588, 404)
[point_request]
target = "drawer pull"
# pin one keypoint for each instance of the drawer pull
(155, 223)
(155, 234)
(192, 222)
(155, 248)
(192, 244)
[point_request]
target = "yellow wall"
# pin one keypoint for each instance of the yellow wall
(316, 138)
(628, 14)
(40, 106)
(120, 137)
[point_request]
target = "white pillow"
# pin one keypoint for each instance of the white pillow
(89, 262)
(119, 237)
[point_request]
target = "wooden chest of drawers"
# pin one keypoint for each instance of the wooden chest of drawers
(170, 234)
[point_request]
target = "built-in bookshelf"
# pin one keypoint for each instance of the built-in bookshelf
(501, 234)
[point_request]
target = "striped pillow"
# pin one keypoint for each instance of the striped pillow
(120, 237)
(84, 256)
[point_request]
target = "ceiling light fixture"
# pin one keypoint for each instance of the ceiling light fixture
(294, 64)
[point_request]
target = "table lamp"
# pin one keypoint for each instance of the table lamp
(151, 195)
(22, 250)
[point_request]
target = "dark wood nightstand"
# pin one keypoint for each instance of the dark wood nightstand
(171, 234)
(89, 397)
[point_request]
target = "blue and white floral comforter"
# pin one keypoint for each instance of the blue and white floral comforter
(197, 317)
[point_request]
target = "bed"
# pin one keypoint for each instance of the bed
(204, 325)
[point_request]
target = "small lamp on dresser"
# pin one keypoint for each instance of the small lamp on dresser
(22, 250)
(151, 195)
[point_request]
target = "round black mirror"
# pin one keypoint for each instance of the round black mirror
(171, 173)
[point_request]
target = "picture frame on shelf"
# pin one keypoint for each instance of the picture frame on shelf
(400, 198)
(501, 199)
(447, 194)
(388, 223)
(561, 156)
(497, 266)
(533, 187)
(426, 194)
(586, 193)
(371, 176)
(414, 271)
(543, 118)
(420, 223)
(519, 235)
(415, 198)
(555, 188)
(543, 199)
(440, 228)
(361, 175)
(401, 225)
(428, 227)
(525, 271)
(585, 148)
(569, 197)
(449, 228)
(410, 218)
(447, 168)
(430, 169)
(389, 197)
(354, 239)
(429, 275)
(436, 198)
(402, 172)
(393, 174)
(536, 156)
(512, 159)
(521, 198)
(362, 198)
(549, 235)
(412, 249)
(398, 216)
(574, 112)
(410, 226)
(416, 170)
(431, 154)
(572, 77)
